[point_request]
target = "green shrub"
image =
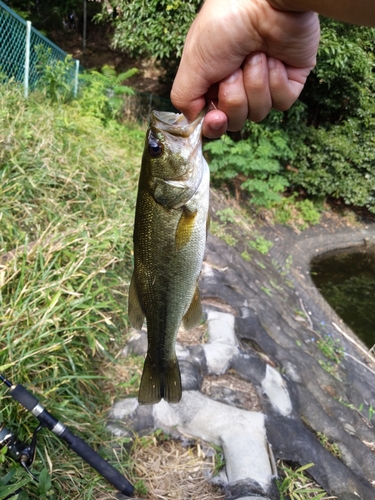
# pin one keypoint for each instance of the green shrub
(102, 92)
(259, 159)
(300, 213)
(342, 84)
(334, 144)
(324, 143)
(338, 161)
(55, 76)
(261, 244)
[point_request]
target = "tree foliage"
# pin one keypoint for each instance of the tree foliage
(156, 28)
(48, 15)
(342, 84)
(335, 148)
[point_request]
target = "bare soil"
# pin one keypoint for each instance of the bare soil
(99, 52)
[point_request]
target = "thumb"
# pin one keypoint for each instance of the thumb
(188, 93)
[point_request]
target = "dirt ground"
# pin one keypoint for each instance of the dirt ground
(150, 78)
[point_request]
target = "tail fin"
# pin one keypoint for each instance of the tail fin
(160, 382)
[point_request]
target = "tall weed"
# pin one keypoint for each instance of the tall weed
(102, 93)
(68, 194)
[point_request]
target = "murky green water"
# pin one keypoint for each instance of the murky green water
(347, 282)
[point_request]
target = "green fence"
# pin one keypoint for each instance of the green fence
(20, 44)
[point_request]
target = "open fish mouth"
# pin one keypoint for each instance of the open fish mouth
(175, 123)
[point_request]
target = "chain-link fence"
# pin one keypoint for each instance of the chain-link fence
(138, 107)
(21, 47)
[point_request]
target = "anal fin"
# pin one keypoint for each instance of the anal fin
(160, 382)
(193, 315)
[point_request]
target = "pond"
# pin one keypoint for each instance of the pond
(347, 282)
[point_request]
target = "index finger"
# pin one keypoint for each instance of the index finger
(206, 59)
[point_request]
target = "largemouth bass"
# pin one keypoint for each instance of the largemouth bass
(169, 240)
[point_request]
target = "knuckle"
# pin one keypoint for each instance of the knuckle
(231, 99)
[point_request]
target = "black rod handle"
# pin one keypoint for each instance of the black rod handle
(24, 397)
(80, 447)
(97, 462)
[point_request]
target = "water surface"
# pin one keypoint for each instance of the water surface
(347, 282)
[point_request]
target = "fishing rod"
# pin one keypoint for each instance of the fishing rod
(25, 454)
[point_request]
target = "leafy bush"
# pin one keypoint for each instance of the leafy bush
(300, 213)
(261, 244)
(343, 83)
(259, 159)
(55, 76)
(334, 146)
(338, 161)
(102, 92)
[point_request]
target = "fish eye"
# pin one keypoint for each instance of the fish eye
(155, 147)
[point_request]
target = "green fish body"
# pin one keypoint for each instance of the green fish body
(169, 241)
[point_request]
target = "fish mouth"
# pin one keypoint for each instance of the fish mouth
(175, 123)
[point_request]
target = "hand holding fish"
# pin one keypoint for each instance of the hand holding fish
(249, 56)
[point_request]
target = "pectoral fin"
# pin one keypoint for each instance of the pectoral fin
(135, 312)
(185, 228)
(193, 315)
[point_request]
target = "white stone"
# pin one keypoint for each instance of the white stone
(165, 414)
(221, 327)
(222, 344)
(207, 270)
(240, 433)
(181, 351)
(123, 408)
(273, 385)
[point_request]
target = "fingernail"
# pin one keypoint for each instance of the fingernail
(271, 63)
(216, 125)
(254, 58)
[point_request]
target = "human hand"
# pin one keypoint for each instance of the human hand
(245, 57)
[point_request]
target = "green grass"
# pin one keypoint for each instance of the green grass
(331, 447)
(218, 229)
(68, 187)
(261, 244)
(295, 484)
